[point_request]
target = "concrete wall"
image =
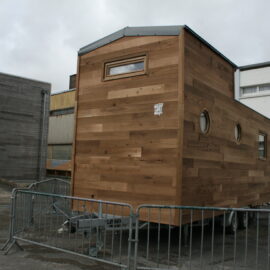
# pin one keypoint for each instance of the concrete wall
(260, 104)
(24, 113)
(260, 100)
(255, 76)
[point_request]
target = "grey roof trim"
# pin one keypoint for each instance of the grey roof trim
(25, 78)
(210, 46)
(64, 111)
(172, 30)
(63, 91)
(254, 66)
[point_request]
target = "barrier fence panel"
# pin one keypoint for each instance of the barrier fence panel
(202, 238)
(52, 185)
(98, 230)
(155, 237)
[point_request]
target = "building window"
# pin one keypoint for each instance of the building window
(262, 140)
(249, 90)
(265, 87)
(125, 68)
(254, 90)
(204, 122)
(237, 132)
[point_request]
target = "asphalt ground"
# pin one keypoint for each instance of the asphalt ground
(222, 256)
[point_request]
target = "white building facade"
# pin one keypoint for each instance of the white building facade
(252, 87)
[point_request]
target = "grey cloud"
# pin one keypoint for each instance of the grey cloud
(40, 39)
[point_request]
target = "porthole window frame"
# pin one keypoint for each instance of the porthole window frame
(239, 129)
(128, 59)
(207, 114)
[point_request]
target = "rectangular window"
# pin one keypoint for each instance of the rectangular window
(249, 90)
(262, 142)
(125, 68)
(254, 90)
(265, 87)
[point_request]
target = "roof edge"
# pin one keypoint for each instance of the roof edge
(209, 45)
(63, 91)
(255, 66)
(24, 78)
(170, 30)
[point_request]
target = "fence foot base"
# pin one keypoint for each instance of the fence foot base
(5, 245)
(12, 243)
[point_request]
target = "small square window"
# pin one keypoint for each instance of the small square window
(262, 146)
(125, 68)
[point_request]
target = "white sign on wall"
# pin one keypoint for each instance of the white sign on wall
(158, 109)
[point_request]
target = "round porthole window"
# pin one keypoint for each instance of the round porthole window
(204, 122)
(237, 132)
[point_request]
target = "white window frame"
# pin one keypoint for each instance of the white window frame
(258, 92)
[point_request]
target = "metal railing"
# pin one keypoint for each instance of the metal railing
(99, 230)
(52, 185)
(204, 238)
(152, 237)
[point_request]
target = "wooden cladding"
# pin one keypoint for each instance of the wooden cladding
(126, 153)
(125, 68)
(216, 167)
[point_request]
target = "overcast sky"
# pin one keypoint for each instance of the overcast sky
(40, 38)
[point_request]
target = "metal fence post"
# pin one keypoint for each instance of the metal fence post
(136, 240)
(11, 241)
(11, 217)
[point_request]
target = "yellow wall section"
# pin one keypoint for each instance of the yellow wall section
(63, 100)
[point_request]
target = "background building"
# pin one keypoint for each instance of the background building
(61, 128)
(252, 87)
(24, 110)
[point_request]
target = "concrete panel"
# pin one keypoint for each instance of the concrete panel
(260, 104)
(254, 76)
(61, 129)
(24, 113)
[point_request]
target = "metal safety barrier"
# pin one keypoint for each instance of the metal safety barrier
(184, 237)
(52, 185)
(99, 230)
(152, 237)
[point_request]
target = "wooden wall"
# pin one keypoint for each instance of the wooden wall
(123, 151)
(220, 171)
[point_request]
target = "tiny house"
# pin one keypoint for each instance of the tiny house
(157, 123)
